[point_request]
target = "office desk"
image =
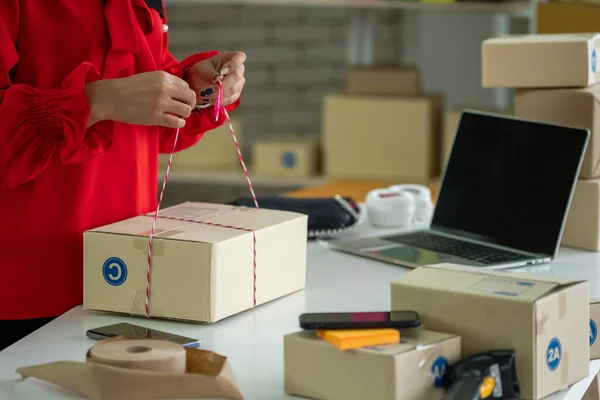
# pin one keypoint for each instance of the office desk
(253, 340)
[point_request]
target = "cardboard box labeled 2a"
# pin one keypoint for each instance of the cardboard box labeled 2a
(582, 228)
(573, 107)
(541, 61)
(544, 319)
(203, 263)
(594, 324)
(410, 370)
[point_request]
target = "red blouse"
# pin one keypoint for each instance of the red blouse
(57, 178)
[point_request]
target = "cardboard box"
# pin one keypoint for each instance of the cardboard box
(541, 61)
(382, 137)
(200, 271)
(410, 370)
(567, 18)
(573, 107)
(544, 319)
(582, 228)
(215, 150)
(383, 81)
(286, 157)
(594, 324)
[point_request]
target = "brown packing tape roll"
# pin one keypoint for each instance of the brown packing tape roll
(142, 354)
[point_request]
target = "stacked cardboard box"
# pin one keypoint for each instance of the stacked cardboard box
(556, 80)
(288, 155)
(382, 127)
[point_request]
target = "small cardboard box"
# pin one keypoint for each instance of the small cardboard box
(544, 319)
(216, 150)
(410, 370)
(382, 137)
(286, 157)
(567, 18)
(574, 107)
(382, 81)
(541, 61)
(594, 324)
(582, 228)
(203, 263)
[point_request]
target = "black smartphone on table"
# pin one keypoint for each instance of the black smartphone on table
(360, 320)
(139, 332)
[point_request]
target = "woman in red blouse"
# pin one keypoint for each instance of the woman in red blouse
(89, 96)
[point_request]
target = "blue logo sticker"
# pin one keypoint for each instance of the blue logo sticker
(593, 332)
(438, 369)
(594, 61)
(553, 354)
(114, 271)
(288, 159)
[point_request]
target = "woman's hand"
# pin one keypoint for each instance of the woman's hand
(151, 98)
(227, 67)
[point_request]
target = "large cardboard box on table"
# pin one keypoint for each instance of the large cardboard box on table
(568, 17)
(582, 228)
(594, 325)
(394, 81)
(390, 138)
(541, 61)
(410, 370)
(544, 319)
(578, 107)
(286, 156)
(203, 261)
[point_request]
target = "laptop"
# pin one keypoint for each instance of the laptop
(503, 198)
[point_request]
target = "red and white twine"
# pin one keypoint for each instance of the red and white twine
(217, 108)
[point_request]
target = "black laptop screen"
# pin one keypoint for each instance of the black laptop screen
(509, 181)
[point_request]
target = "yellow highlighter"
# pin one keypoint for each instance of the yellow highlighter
(347, 339)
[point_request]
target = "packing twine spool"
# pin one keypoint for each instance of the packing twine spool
(217, 109)
(390, 208)
(423, 204)
(141, 354)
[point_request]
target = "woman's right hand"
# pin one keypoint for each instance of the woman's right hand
(150, 98)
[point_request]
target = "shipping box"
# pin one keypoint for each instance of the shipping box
(203, 261)
(544, 319)
(594, 324)
(540, 61)
(573, 107)
(567, 18)
(582, 228)
(286, 156)
(395, 81)
(382, 138)
(410, 370)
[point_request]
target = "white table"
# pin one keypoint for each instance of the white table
(253, 340)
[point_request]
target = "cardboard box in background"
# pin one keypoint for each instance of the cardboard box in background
(582, 228)
(383, 81)
(540, 61)
(200, 272)
(573, 107)
(594, 325)
(544, 319)
(567, 18)
(215, 150)
(381, 137)
(410, 370)
(286, 156)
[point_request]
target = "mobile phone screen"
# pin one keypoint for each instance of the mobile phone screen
(394, 319)
(139, 332)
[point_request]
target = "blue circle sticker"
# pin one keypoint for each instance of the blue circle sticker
(114, 271)
(438, 369)
(593, 332)
(288, 159)
(594, 61)
(553, 354)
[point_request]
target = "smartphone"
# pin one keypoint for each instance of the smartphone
(360, 320)
(139, 332)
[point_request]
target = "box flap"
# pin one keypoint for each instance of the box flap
(543, 38)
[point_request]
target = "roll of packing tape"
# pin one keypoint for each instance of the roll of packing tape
(144, 354)
(420, 192)
(423, 203)
(390, 208)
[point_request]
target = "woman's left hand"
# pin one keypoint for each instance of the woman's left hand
(227, 67)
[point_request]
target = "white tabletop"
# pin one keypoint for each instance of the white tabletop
(253, 340)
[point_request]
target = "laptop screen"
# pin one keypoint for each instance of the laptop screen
(509, 181)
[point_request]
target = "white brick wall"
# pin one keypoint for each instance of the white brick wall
(295, 56)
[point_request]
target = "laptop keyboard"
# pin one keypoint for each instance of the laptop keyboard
(458, 248)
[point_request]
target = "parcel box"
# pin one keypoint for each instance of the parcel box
(544, 319)
(216, 150)
(381, 137)
(286, 156)
(209, 261)
(567, 18)
(383, 81)
(594, 324)
(582, 228)
(540, 61)
(410, 370)
(573, 107)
